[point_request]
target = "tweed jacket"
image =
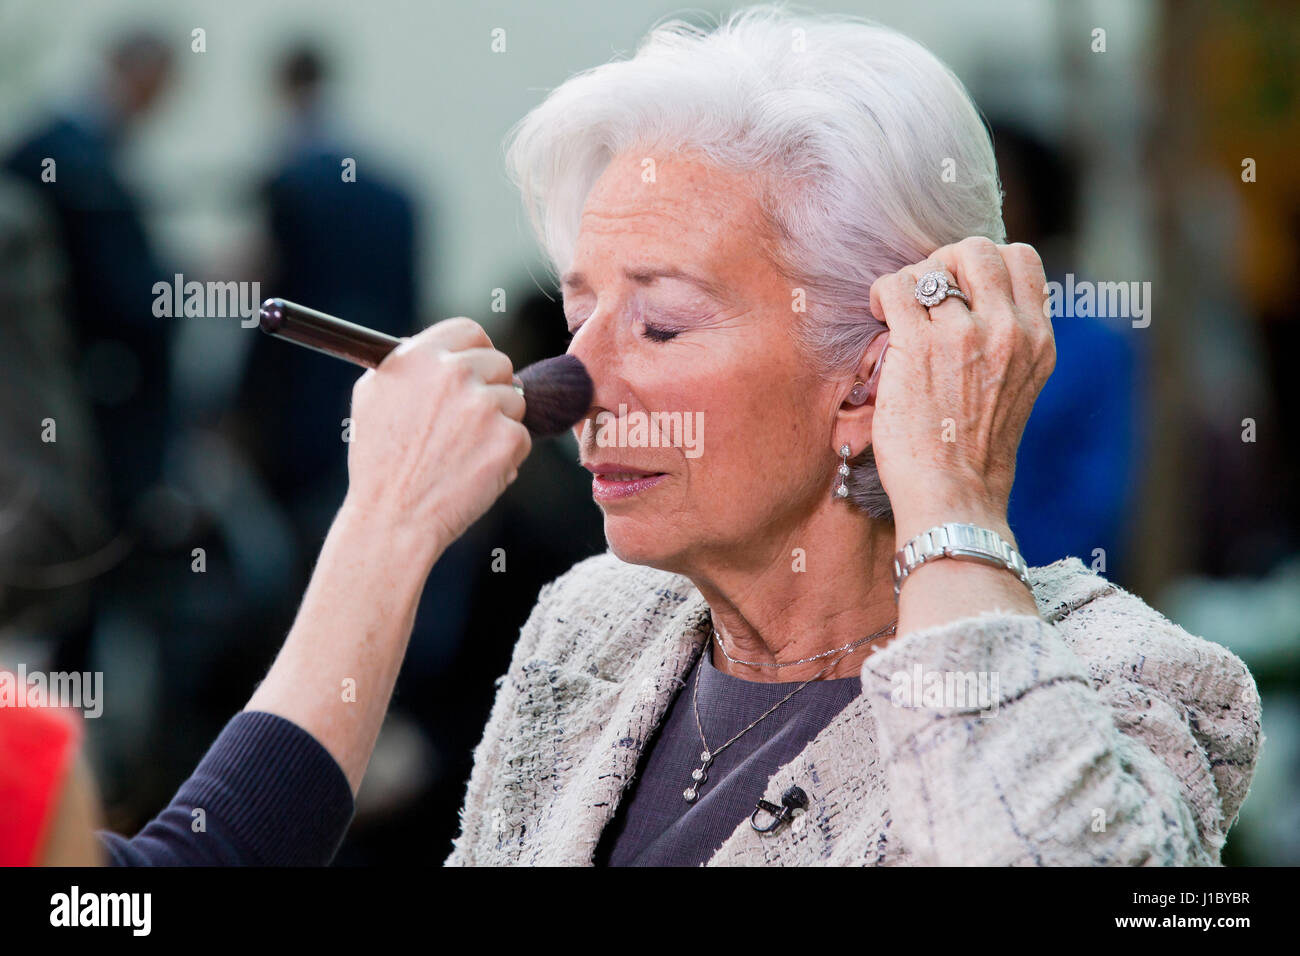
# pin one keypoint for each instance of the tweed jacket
(1116, 738)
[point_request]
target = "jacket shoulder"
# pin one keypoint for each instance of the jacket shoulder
(1158, 677)
(1116, 628)
(1065, 585)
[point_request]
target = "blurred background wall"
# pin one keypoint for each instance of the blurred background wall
(1123, 155)
(422, 88)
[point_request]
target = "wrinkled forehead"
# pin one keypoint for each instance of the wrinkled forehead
(673, 208)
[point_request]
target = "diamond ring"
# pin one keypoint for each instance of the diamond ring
(932, 288)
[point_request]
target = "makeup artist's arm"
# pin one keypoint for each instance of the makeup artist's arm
(436, 438)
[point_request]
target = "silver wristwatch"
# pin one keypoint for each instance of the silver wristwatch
(955, 540)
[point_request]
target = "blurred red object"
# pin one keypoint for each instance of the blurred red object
(37, 748)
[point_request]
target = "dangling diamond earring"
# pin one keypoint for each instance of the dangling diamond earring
(842, 489)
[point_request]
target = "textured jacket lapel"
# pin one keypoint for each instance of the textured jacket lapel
(625, 714)
(842, 793)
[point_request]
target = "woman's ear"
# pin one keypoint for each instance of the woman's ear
(857, 410)
(863, 390)
(872, 362)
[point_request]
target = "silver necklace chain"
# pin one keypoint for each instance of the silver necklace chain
(806, 660)
(700, 776)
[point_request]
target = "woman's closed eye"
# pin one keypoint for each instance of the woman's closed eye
(658, 334)
(655, 333)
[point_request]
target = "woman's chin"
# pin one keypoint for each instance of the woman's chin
(639, 545)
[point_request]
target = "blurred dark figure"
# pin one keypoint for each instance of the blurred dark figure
(122, 349)
(1281, 332)
(1254, 532)
(343, 241)
(117, 352)
(1077, 467)
(54, 534)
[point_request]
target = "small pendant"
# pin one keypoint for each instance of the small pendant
(699, 776)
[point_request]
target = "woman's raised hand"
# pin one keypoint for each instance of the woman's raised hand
(959, 381)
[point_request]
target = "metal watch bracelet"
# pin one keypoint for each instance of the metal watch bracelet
(953, 539)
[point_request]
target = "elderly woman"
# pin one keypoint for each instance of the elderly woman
(814, 642)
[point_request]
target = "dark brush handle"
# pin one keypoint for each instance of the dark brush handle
(325, 333)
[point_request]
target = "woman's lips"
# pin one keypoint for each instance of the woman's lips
(608, 486)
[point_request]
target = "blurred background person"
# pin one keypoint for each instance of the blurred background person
(55, 534)
(1073, 496)
(342, 240)
(122, 349)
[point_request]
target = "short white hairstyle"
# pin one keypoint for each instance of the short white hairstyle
(866, 152)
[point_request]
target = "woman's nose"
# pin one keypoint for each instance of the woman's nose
(596, 344)
(586, 341)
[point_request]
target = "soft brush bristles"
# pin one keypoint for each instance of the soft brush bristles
(557, 393)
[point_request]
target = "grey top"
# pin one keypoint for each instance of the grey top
(654, 825)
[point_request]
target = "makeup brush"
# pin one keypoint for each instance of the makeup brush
(557, 391)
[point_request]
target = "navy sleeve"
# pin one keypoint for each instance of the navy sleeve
(270, 793)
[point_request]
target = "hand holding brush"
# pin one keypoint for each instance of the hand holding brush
(436, 422)
(558, 390)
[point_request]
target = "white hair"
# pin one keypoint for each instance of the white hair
(867, 155)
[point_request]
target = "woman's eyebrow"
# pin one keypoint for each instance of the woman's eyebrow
(644, 275)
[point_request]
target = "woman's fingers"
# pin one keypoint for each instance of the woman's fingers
(893, 302)
(508, 400)
(491, 366)
(454, 335)
(1029, 281)
(953, 309)
(1005, 285)
(980, 272)
(1029, 284)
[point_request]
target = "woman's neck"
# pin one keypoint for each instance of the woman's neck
(822, 587)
